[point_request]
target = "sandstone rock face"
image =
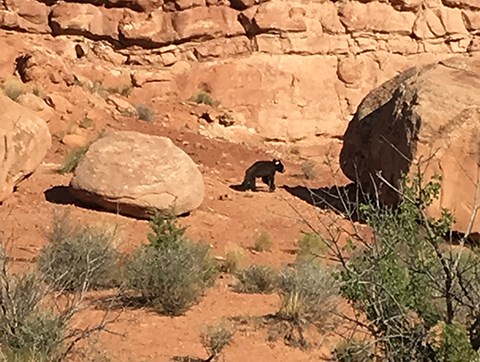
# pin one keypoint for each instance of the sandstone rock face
(26, 15)
(427, 117)
(24, 142)
(71, 18)
(130, 172)
(296, 70)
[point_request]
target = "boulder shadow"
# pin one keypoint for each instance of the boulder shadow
(61, 195)
(343, 200)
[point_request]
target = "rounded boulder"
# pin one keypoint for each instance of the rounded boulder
(133, 173)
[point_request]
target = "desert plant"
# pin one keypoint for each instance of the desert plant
(308, 293)
(263, 242)
(27, 332)
(145, 113)
(215, 338)
(203, 97)
(310, 247)
(72, 159)
(256, 279)
(35, 322)
(87, 122)
(78, 256)
(233, 259)
(13, 88)
(419, 297)
(308, 170)
(171, 273)
(353, 350)
(294, 150)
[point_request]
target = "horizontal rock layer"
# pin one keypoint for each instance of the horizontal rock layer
(294, 69)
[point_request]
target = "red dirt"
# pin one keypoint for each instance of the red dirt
(220, 221)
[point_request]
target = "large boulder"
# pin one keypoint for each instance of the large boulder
(426, 118)
(132, 173)
(24, 142)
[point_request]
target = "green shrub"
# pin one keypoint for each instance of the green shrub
(35, 322)
(263, 242)
(171, 273)
(38, 338)
(215, 338)
(27, 332)
(145, 113)
(257, 279)
(408, 287)
(78, 257)
(308, 294)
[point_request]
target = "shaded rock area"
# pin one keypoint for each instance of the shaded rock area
(129, 172)
(24, 142)
(428, 119)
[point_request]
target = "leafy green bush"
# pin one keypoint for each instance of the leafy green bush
(408, 284)
(78, 257)
(171, 273)
(257, 279)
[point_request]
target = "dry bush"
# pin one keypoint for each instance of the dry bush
(310, 247)
(294, 150)
(353, 351)
(145, 113)
(78, 256)
(72, 159)
(233, 259)
(203, 97)
(13, 88)
(256, 279)
(308, 170)
(263, 242)
(215, 338)
(308, 293)
(171, 273)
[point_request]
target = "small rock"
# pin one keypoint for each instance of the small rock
(59, 103)
(120, 104)
(74, 140)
